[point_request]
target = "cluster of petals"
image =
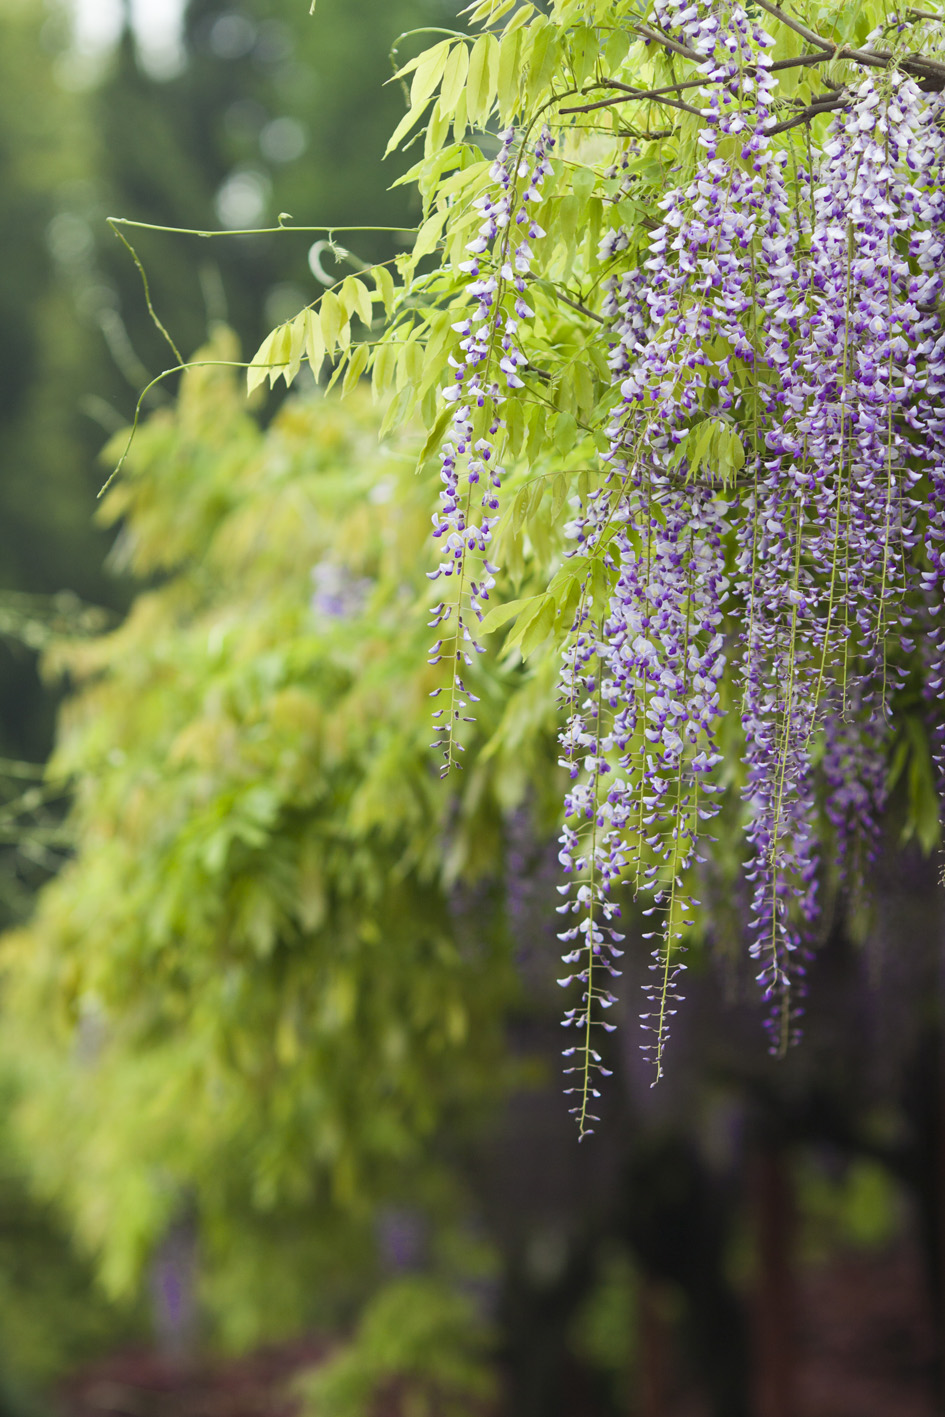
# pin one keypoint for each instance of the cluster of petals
(497, 271)
(809, 334)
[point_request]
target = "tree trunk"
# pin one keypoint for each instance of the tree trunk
(775, 1312)
(654, 1351)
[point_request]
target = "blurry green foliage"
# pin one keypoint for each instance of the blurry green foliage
(855, 1204)
(418, 1338)
(249, 986)
(605, 1328)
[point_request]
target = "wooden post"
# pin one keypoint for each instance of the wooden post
(654, 1351)
(775, 1309)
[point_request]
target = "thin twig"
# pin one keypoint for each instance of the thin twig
(576, 305)
(796, 26)
(657, 96)
(627, 94)
(645, 32)
(114, 223)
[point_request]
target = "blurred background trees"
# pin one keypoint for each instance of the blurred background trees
(280, 1043)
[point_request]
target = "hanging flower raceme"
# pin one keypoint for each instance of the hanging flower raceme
(486, 366)
(803, 338)
(659, 647)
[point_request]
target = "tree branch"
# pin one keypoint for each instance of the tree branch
(627, 94)
(812, 110)
(576, 305)
(656, 95)
(796, 26)
(645, 32)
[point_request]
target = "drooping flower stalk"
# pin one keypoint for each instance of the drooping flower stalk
(801, 339)
(485, 367)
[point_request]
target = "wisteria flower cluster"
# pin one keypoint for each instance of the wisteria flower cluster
(806, 339)
(485, 367)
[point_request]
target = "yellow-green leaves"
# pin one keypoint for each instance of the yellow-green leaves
(535, 616)
(509, 74)
(428, 73)
(384, 282)
(454, 77)
(538, 616)
(320, 330)
(713, 445)
(269, 359)
(482, 79)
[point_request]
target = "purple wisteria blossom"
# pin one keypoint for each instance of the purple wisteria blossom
(486, 367)
(775, 503)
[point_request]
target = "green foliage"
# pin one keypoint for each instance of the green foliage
(418, 1338)
(606, 1325)
(857, 1205)
(249, 988)
(248, 984)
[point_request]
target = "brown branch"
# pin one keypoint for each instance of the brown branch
(801, 61)
(811, 111)
(796, 26)
(645, 32)
(627, 94)
(931, 70)
(656, 95)
(576, 305)
(915, 63)
(874, 58)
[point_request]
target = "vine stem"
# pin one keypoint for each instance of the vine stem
(116, 221)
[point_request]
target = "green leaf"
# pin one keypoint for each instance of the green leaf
(281, 352)
(356, 367)
(520, 507)
(514, 424)
(297, 333)
(428, 73)
(583, 52)
(500, 615)
(537, 431)
(385, 286)
(314, 341)
(565, 434)
(260, 363)
(454, 77)
(481, 81)
(585, 390)
(430, 232)
(531, 609)
(583, 181)
(412, 116)
(566, 589)
(568, 211)
(539, 627)
(488, 11)
(543, 57)
(435, 435)
(356, 299)
(509, 75)
(615, 50)
(334, 319)
(384, 368)
(522, 17)
(559, 495)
